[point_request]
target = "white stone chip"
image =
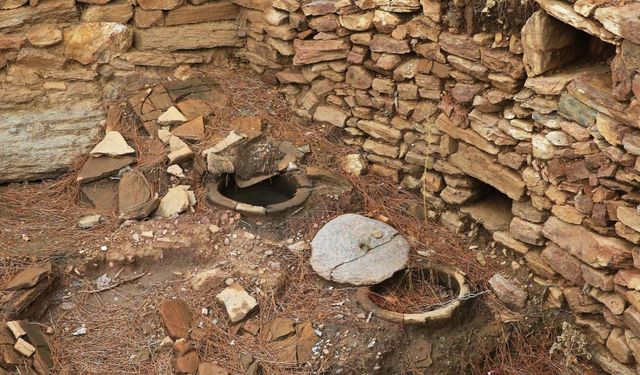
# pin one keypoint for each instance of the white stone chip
(113, 144)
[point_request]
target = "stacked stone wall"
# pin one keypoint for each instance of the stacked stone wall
(535, 101)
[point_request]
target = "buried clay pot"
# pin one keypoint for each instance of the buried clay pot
(270, 195)
(446, 276)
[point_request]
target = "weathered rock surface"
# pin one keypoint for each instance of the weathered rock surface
(44, 35)
(176, 318)
(187, 37)
(136, 197)
(26, 155)
(357, 250)
(97, 41)
(483, 167)
(548, 43)
(594, 249)
(510, 294)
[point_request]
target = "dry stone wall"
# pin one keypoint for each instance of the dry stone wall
(544, 112)
(535, 103)
(60, 60)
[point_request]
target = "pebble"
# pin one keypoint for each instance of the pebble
(480, 258)
(229, 281)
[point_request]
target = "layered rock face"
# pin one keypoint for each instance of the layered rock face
(60, 59)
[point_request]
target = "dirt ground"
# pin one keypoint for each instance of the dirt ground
(268, 256)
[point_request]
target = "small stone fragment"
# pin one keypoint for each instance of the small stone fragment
(179, 151)
(24, 348)
(229, 140)
(354, 164)
(207, 280)
(89, 221)
(113, 144)
(176, 170)
(192, 130)
(237, 302)
(176, 201)
(171, 116)
(176, 317)
(16, 328)
(510, 294)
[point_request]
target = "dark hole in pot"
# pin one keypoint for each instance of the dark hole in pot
(415, 291)
(272, 190)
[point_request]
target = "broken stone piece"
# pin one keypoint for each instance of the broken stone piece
(136, 198)
(345, 250)
(192, 130)
(279, 328)
(16, 329)
(207, 280)
(218, 165)
(89, 221)
(28, 278)
(248, 126)
(99, 167)
(175, 170)
(164, 134)
(229, 140)
(354, 164)
(176, 201)
(24, 348)
(237, 302)
(176, 317)
(113, 144)
(307, 339)
(180, 151)
(510, 294)
(171, 116)
(188, 362)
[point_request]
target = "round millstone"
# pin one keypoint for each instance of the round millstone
(354, 249)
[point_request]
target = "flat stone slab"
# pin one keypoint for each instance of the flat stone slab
(354, 249)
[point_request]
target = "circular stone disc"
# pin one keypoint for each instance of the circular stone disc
(356, 250)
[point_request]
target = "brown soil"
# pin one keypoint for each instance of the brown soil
(38, 223)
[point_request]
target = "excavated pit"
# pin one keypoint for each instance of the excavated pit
(276, 189)
(270, 195)
(430, 295)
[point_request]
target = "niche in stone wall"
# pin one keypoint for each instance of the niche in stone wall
(482, 202)
(550, 44)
